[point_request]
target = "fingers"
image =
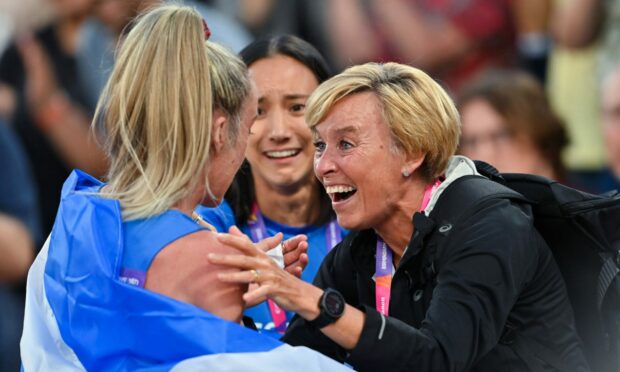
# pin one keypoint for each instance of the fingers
(242, 243)
(234, 230)
(270, 243)
(259, 293)
(239, 261)
(247, 276)
(296, 268)
(291, 244)
(246, 246)
(293, 255)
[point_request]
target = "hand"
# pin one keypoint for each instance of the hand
(295, 254)
(257, 268)
(294, 251)
(41, 82)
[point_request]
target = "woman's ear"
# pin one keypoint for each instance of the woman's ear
(218, 133)
(412, 164)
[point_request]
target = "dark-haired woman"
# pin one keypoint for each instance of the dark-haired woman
(276, 190)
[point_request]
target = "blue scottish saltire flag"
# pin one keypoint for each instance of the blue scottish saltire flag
(79, 316)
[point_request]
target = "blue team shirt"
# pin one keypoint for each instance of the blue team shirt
(223, 217)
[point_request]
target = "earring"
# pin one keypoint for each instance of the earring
(406, 173)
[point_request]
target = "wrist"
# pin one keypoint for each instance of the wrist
(331, 306)
(309, 309)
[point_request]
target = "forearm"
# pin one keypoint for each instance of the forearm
(345, 331)
(16, 249)
(68, 129)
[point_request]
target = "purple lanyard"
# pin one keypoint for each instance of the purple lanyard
(258, 232)
(383, 262)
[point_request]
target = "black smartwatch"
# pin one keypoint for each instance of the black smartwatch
(331, 305)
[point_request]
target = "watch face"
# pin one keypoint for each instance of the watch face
(334, 304)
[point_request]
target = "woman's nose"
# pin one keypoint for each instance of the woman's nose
(324, 163)
(278, 129)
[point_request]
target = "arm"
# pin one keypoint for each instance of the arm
(16, 249)
(288, 291)
(476, 288)
(181, 271)
(478, 281)
(575, 23)
(425, 43)
(66, 125)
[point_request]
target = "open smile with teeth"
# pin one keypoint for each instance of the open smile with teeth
(282, 154)
(340, 193)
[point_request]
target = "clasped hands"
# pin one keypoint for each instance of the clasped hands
(265, 278)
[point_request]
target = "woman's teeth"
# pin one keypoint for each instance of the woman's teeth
(338, 189)
(281, 154)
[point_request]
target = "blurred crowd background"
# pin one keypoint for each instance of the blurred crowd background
(537, 83)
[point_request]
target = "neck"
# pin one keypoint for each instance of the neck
(190, 202)
(295, 206)
(396, 230)
(186, 205)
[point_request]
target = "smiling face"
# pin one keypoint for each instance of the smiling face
(280, 147)
(357, 162)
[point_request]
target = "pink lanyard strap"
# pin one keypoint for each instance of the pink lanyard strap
(383, 262)
(258, 232)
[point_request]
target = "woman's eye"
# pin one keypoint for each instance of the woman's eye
(260, 112)
(298, 107)
(319, 146)
(345, 145)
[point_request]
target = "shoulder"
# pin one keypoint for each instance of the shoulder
(192, 249)
(182, 271)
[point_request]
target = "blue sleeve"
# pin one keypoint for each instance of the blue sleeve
(221, 217)
(17, 190)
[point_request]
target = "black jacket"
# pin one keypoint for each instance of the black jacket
(482, 293)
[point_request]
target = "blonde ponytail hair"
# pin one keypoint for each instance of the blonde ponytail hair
(156, 108)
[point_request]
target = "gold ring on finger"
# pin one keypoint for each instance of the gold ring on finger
(256, 274)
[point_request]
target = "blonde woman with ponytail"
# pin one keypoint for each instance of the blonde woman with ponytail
(165, 143)
(123, 281)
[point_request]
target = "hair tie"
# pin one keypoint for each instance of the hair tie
(206, 30)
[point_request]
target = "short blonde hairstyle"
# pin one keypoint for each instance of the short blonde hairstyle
(421, 116)
(157, 112)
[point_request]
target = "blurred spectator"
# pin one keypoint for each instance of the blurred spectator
(453, 40)
(19, 232)
(48, 115)
(611, 128)
(100, 34)
(573, 87)
(266, 18)
(508, 123)
(533, 39)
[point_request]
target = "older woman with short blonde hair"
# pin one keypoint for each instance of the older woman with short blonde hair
(416, 285)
